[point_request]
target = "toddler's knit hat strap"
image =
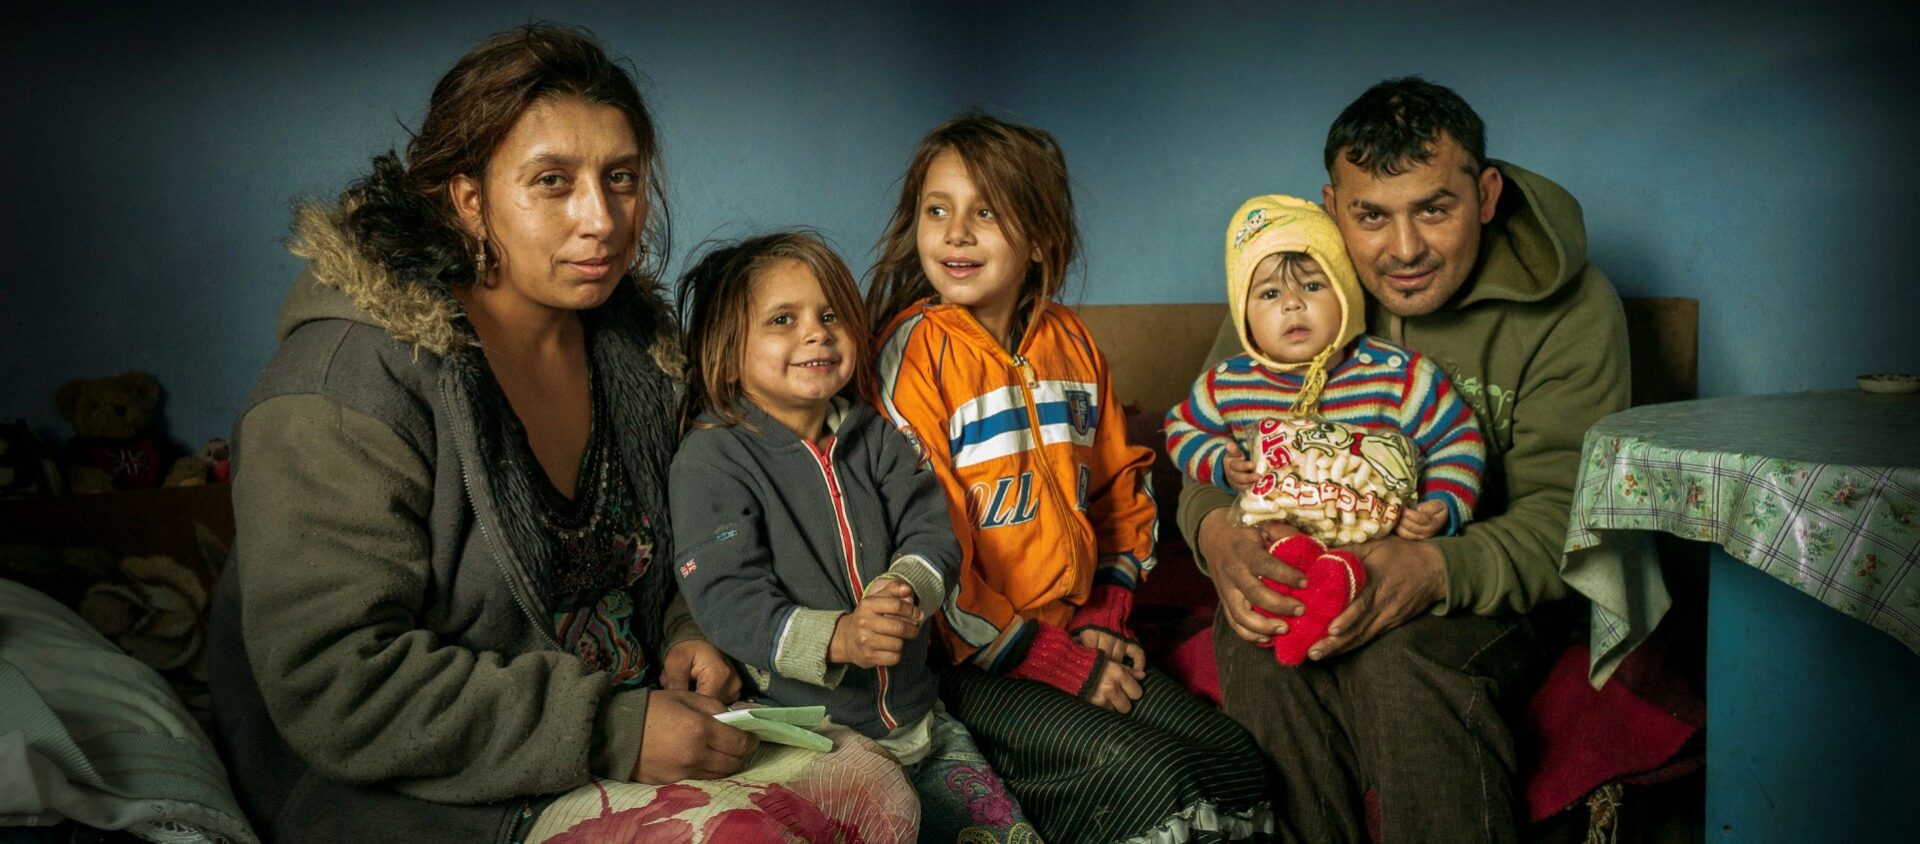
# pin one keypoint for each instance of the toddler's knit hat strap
(1311, 383)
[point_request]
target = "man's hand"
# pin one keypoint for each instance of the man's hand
(1117, 650)
(1116, 689)
(696, 665)
(1236, 558)
(1404, 579)
(1240, 473)
(682, 740)
(873, 635)
(1423, 521)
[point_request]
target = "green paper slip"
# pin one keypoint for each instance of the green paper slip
(789, 725)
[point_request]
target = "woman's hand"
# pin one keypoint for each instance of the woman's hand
(682, 741)
(696, 665)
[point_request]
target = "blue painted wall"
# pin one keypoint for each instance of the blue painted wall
(1755, 157)
(151, 156)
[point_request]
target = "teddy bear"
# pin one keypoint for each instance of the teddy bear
(114, 446)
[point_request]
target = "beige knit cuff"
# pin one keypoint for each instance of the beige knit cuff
(802, 652)
(928, 589)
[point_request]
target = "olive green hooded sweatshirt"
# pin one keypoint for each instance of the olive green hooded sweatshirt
(1536, 342)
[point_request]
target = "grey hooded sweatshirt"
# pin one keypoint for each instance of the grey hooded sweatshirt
(778, 537)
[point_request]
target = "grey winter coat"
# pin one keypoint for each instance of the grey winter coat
(382, 657)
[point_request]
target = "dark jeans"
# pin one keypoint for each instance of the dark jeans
(1417, 716)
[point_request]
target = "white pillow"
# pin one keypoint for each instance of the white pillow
(91, 734)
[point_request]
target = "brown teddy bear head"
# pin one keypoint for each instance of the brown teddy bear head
(116, 407)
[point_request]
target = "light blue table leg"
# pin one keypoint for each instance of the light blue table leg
(1813, 718)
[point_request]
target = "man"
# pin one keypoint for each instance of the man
(1482, 266)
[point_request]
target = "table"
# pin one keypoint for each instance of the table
(1812, 504)
(1819, 490)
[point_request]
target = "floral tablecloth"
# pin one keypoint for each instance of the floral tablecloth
(1820, 490)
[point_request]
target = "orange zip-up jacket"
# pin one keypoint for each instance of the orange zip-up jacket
(1046, 496)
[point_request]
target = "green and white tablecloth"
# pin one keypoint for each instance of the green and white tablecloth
(1820, 490)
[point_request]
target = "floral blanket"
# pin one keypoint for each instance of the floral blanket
(786, 794)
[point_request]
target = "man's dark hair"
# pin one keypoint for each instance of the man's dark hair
(1395, 124)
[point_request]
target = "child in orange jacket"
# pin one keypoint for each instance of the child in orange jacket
(1004, 392)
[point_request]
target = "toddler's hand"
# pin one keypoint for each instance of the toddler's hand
(873, 635)
(1116, 689)
(1240, 473)
(1117, 650)
(1422, 521)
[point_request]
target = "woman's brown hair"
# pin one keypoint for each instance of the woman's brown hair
(1023, 175)
(404, 213)
(715, 297)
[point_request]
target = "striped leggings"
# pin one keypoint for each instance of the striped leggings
(1173, 770)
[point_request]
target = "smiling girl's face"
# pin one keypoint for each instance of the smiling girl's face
(798, 353)
(966, 249)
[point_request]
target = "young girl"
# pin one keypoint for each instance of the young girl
(810, 537)
(1004, 391)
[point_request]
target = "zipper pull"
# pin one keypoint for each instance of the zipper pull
(1026, 372)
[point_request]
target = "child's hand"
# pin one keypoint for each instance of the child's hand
(873, 635)
(696, 665)
(1422, 521)
(1116, 689)
(1240, 473)
(1117, 649)
(890, 586)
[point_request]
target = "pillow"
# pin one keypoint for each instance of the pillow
(96, 736)
(139, 566)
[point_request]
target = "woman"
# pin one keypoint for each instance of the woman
(449, 594)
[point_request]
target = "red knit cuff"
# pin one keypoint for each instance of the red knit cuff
(1055, 659)
(1107, 609)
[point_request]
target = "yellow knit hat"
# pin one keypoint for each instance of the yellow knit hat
(1270, 224)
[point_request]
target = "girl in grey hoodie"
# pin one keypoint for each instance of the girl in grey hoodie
(811, 539)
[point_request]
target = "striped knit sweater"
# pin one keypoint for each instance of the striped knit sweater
(1379, 385)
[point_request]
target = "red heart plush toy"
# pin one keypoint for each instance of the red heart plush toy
(1333, 579)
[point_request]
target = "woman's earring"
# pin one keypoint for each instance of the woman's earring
(480, 260)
